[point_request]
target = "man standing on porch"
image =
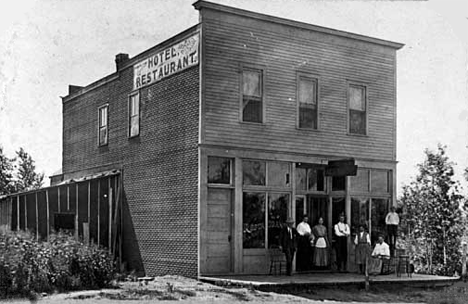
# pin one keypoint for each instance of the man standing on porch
(392, 220)
(288, 243)
(304, 249)
(342, 233)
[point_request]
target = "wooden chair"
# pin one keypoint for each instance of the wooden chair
(277, 261)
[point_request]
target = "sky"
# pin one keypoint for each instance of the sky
(45, 45)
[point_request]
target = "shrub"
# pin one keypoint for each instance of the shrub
(62, 263)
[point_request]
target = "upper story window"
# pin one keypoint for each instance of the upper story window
(134, 115)
(357, 103)
(307, 102)
(252, 95)
(103, 122)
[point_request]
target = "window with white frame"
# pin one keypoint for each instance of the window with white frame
(103, 125)
(357, 102)
(252, 95)
(134, 115)
(307, 102)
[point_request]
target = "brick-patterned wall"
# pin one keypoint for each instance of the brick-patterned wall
(160, 167)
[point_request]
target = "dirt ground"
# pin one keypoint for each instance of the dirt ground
(170, 289)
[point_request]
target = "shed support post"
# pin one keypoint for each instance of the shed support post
(110, 215)
(76, 212)
(37, 220)
(48, 217)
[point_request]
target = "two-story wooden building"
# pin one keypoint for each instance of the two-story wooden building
(224, 130)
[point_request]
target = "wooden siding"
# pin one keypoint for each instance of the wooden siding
(230, 41)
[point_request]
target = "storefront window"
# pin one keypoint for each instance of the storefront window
(301, 178)
(253, 219)
(379, 209)
(219, 170)
(277, 214)
(253, 172)
(359, 213)
(278, 174)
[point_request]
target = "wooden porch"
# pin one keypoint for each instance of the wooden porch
(272, 282)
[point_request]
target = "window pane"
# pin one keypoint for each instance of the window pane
(219, 170)
(357, 122)
(360, 182)
(357, 98)
(103, 136)
(103, 116)
(134, 126)
(252, 109)
(307, 91)
(359, 213)
(307, 116)
(312, 178)
(252, 83)
(378, 212)
(301, 178)
(278, 174)
(253, 172)
(277, 214)
(379, 181)
(253, 219)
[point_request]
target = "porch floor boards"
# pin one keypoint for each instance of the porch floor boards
(327, 279)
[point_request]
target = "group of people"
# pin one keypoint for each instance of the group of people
(304, 238)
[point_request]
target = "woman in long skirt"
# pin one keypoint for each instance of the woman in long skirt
(321, 244)
(362, 242)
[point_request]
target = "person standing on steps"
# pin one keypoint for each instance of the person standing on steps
(342, 233)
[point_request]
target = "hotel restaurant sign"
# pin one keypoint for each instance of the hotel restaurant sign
(167, 62)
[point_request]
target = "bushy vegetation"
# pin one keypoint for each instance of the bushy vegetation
(434, 219)
(61, 264)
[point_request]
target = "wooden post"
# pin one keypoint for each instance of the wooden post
(366, 271)
(48, 219)
(464, 263)
(37, 220)
(58, 199)
(89, 200)
(76, 212)
(68, 197)
(99, 212)
(18, 213)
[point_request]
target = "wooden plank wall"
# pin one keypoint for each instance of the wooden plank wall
(282, 51)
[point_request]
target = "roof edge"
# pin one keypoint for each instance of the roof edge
(200, 4)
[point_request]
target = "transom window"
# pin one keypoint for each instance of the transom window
(252, 95)
(219, 170)
(357, 109)
(103, 132)
(134, 115)
(310, 177)
(307, 99)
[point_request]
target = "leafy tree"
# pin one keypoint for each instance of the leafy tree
(6, 174)
(26, 177)
(434, 214)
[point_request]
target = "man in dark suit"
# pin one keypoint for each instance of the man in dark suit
(288, 243)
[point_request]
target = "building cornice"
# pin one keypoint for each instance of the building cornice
(199, 5)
